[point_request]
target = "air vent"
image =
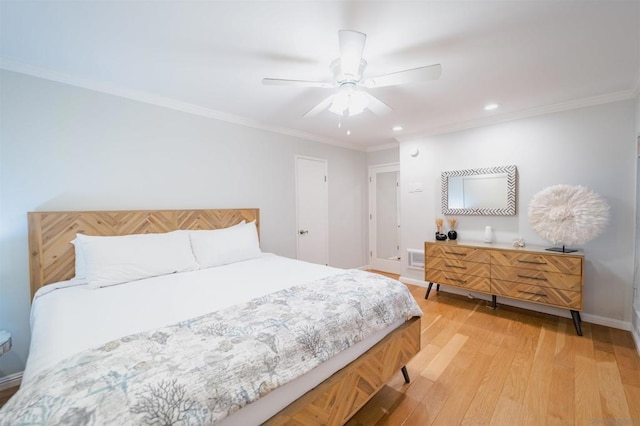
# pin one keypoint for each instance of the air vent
(415, 258)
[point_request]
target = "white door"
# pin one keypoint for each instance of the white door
(384, 217)
(312, 210)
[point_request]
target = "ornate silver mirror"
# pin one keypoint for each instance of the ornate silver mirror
(490, 191)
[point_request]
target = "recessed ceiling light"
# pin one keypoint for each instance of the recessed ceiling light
(397, 128)
(491, 107)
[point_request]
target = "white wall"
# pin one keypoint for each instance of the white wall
(67, 148)
(594, 147)
(385, 156)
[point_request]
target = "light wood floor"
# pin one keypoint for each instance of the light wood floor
(6, 394)
(509, 367)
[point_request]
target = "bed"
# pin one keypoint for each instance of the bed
(72, 325)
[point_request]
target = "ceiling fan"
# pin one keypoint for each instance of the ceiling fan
(348, 71)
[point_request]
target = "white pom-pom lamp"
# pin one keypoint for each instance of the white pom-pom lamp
(568, 215)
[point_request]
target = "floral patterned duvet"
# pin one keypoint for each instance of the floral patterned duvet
(201, 370)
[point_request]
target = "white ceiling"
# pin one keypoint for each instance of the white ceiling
(527, 56)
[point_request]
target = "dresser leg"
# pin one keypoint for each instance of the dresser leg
(428, 290)
(576, 321)
(405, 374)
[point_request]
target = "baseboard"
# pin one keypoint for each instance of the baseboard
(636, 338)
(635, 327)
(590, 318)
(10, 381)
(609, 322)
(364, 268)
(413, 281)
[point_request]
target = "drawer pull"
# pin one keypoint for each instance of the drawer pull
(535, 262)
(535, 293)
(455, 266)
(532, 278)
(457, 280)
(457, 254)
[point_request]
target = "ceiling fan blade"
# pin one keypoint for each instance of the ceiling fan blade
(298, 83)
(431, 72)
(351, 47)
(377, 106)
(320, 107)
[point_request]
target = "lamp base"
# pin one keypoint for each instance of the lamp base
(561, 249)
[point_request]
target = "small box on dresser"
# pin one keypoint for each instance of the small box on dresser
(531, 273)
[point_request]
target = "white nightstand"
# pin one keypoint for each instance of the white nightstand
(5, 342)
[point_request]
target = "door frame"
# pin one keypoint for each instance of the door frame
(326, 201)
(391, 266)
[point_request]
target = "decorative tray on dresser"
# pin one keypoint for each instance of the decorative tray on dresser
(532, 273)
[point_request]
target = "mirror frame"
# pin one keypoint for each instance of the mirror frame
(510, 210)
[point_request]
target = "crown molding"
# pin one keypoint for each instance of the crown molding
(548, 109)
(189, 108)
(161, 101)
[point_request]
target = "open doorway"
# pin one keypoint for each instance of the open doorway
(384, 218)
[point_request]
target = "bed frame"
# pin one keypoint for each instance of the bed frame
(333, 402)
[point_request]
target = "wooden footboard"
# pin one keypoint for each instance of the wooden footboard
(337, 399)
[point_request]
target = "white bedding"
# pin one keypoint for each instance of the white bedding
(67, 319)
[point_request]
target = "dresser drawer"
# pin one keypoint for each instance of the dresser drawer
(469, 282)
(459, 266)
(447, 251)
(549, 296)
(537, 277)
(539, 262)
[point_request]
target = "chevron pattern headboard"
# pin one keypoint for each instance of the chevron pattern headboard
(509, 210)
(52, 257)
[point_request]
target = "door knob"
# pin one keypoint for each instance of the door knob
(302, 232)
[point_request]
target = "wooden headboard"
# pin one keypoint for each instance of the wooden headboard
(51, 254)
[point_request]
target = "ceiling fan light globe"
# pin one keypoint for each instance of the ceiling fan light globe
(358, 101)
(353, 111)
(336, 110)
(349, 101)
(340, 103)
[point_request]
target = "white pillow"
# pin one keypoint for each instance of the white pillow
(223, 246)
(119, 259)
(81, 268)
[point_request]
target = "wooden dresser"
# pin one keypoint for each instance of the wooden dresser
(532, 273)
